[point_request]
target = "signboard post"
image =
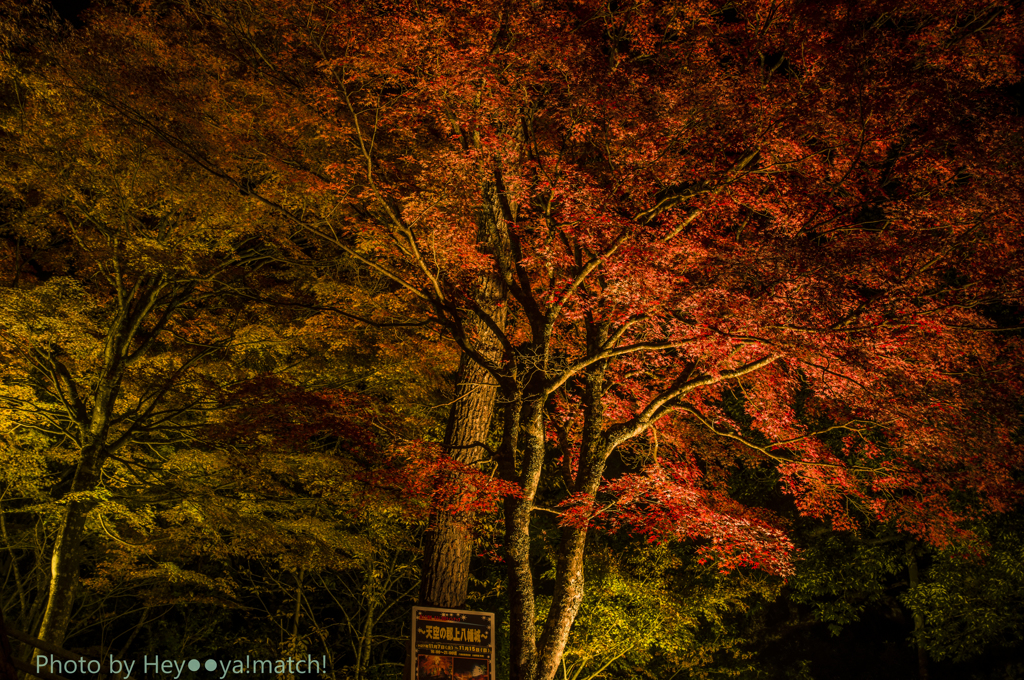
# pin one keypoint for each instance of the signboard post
(449, 644)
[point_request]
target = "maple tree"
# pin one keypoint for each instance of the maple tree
(695, 238)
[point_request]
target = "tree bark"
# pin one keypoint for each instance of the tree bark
(522, 617)
(449, 541)
(522, 602)
(565, 603)
(446, 558)
(569, 582)
(569, 575)
(67, 552)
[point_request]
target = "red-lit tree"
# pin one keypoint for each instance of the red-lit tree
(756, 235)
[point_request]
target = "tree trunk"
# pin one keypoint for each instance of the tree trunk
(446, 558)
(523, 643)
(569, 582)
(449, 540)
(68, 552)
(522, 603)
(565, 603)
(569, 576)
(366, 634)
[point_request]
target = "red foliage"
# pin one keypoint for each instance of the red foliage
(807, 207)
(790, 237)
(268, 416)
(668, 501)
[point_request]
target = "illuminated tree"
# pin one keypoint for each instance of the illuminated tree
(757, 236)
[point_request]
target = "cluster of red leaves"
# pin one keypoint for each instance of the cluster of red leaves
(842, 205)
(418, 475)
(269, 416)
(668, 501)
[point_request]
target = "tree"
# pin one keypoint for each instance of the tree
(971, 602)
(650, 608)
(755, 236)
(121, 313)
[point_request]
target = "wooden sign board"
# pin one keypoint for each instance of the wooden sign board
(448, 644)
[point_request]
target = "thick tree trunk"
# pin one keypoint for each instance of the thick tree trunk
(67, 553)
(446, 557)
(449, 540)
